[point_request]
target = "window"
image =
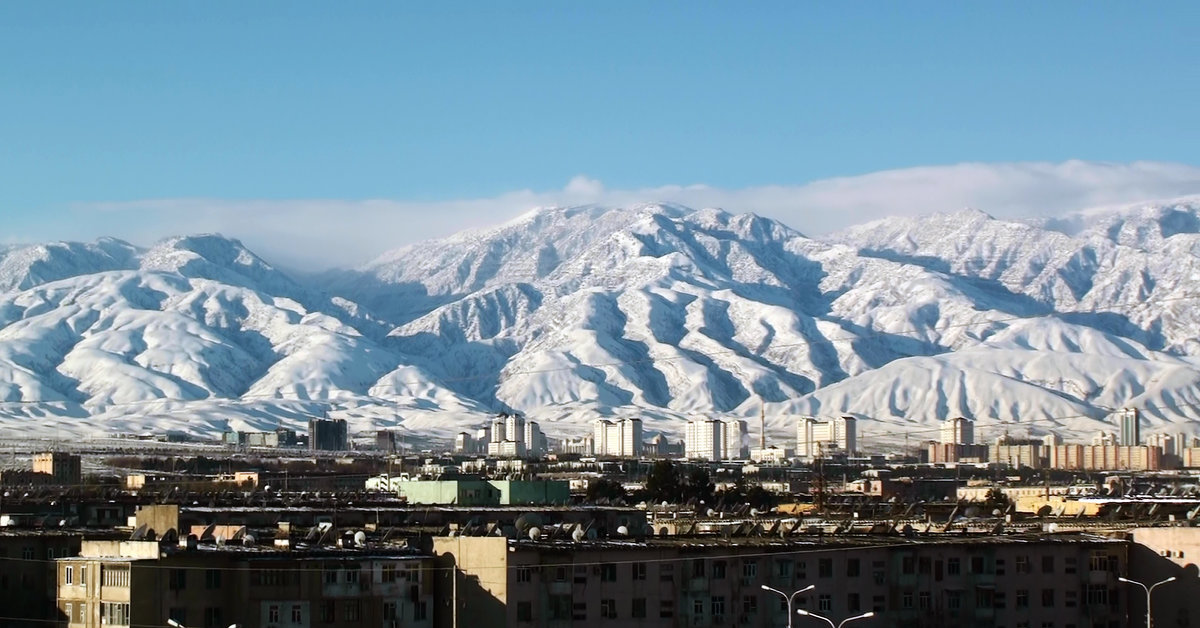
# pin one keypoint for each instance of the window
(330, 575)
(984, 598)
(924, 565)
(560, 607)
(70, 575)
(825, 568)
(637, 571)
(718, 570)
(177, 580)
(272, 614)
(906, 599)
(82, 575)
(1000, 567)
(524, 574)
(783, 568)
(749, 604)
(1097, 594)
(49, 553)
(923, 600)
(524, 611)
(27, 553)
(1022, 598)
(608, 573)
(750, 569)
(976, 564)
(1047, 598)
(824, 602)
(802, 570)
(666, 609)
(420, 611)
(953, 566)
(1047, 564)
(82, 608)
(718, 609)
(352, 574)
(1001, 599)
(908, 565)
(1071, 599)
(878, 603)
(212, 618)
(698, 568)
(666, 573)
(1022, 564)
(852, 568)
(1070, 564)
(878, 576)
(608, 608)
(69, 611)
(560, 574)
(111, 613)
(853, 603)
(579, 611)
(953, 600)
(698, 608)
(212, 579)
(580, 575)
(352, 610)
(298, 613)
(327, 613)
(637, 609)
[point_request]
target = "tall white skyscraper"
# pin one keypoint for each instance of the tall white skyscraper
(622, 438)
(713, 439)
(815, 436)
(1131, 426)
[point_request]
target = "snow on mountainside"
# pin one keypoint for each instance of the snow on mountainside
(660, 311)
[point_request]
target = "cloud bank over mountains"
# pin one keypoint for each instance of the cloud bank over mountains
(313, 234)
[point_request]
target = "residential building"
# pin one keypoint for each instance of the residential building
(951, 453)
(621, 438)
(815, 437)
(327, 435)
(478, 491)
(1131, 426)
(1046, 580)
(958, 431)
(62, 469)
(1105, 457)
(147, 583)
(714, 439)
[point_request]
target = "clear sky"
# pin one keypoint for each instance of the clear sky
(114, 102)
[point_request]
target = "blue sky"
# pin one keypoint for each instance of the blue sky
(110, 103)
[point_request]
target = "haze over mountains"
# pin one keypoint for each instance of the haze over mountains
(659, 311)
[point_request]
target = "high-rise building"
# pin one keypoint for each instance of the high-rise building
(1131, 428)
(62, 468)
(621, 438)
(327, 435)
(714, 439)
(816, 437)
(958, 431)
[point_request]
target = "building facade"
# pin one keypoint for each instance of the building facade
(815, 437)
(621, 438)
(327, 435)
(958, 431)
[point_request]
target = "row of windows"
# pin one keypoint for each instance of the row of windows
(924, 565)
(351, 611)
(562, 607)
(28, 552)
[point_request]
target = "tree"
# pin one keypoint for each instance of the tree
(604, 488)
(699, 486)
(663, 485)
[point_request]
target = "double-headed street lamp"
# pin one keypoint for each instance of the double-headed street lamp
(1149, 590)
(174, 624)
(801, 611)
(789, 598)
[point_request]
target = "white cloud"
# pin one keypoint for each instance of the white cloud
(313, 234)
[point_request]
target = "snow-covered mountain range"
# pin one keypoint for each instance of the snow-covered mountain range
(663, 312)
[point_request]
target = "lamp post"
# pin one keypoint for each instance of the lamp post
(789, 598)
(801, 611)
(1149, 590)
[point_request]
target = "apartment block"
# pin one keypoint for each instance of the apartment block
(1066, 581)
(816, 437)
(147, 583)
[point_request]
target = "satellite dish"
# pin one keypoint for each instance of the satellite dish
(207, 534)
(220, 541)
(360, 538)
(754, 512)
(623, 530)
(139, 534)
(578, 534)
(1052, 528)
(248, 540)
(535, 533)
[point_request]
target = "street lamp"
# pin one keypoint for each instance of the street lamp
(1148, 590)
(801, 611)
(789, 598)
(174, 624)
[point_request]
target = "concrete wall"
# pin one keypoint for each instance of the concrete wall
(472, 582)
(543, 492)
(1158, 554)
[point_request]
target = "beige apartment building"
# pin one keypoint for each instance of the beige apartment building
(1040, 581)
(145, 583)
